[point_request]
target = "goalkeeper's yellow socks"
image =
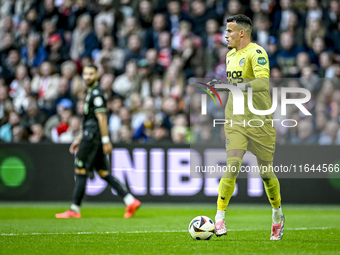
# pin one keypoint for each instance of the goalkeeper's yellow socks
(277, 215)
(227, 185)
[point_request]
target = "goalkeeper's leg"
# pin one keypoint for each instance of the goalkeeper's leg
(226, 188)
(272, 187)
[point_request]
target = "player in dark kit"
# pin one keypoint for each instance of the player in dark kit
(94, 143)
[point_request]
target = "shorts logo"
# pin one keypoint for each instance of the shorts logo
(242, 61)
(227, 143)
(78, 163)
(261, 61)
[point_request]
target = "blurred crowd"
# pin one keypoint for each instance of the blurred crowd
(146, 52)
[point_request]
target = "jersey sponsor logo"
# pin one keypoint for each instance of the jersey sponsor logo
(235, 75)
(98, 101)
(262, 61)
(259, 51)
(242, 61)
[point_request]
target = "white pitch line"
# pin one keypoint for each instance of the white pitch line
(145, 232)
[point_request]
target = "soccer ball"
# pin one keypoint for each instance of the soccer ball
(201, 228)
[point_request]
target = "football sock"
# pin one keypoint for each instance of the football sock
(277, 215)
(79, 189)
(272, 187)
(227, 182)
(75, 208)
(220, 215)
(128, 199)
(115, 184)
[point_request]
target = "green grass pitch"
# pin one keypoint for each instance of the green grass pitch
(30, 228)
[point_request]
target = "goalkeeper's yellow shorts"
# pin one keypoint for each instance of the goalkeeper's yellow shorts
(258, 140)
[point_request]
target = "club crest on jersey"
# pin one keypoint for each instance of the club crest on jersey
(242, 61)
(227, 143)
(262, 61)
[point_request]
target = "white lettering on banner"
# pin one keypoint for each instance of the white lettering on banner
(157, 176)
(179, 181)
(132, 172)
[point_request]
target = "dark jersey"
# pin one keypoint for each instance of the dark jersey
(95, 102)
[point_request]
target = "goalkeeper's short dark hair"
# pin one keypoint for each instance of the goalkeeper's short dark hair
(240, 19)
(243, 21)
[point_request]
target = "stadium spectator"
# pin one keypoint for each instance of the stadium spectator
(327, 68)
(106, 84)
(306, 134)
(83, 38)
(134, 50)
(272, 51)
(33, 114)
(48, 12)
(178, 134)
(106, 14)
(130, 27)
(69, 71)
(313, 12)
(125, 134)
(6, 130)
(114, 104)
(63, 93)
(157, 94)
(19, 134)
(165, 51)
(57, 52)
(21, 36)
(34, 54)
(261, 30)
(175, 15)
(79, 8)
(37, 135)
(46, 85)
(173, 83)
(6, 105)
(331, 16)
(113, 55)
(64, 115)
(152, 60)
(159, 25)
(286, 57)
(330, 134)
(282, 15)
(72, 132)
(32, 18)
(17, 87)
(9, 66)
(145, 13)
(200, 15)
(126, 83)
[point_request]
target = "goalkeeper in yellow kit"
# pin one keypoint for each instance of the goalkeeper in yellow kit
(248, 66)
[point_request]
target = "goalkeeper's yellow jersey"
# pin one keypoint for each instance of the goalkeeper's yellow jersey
(249, 64)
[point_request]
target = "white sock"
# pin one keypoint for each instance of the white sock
(75, 208)
(128, 199)
(277, 215)
(220, 215)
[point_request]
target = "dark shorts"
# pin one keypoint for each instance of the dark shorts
(90, 154)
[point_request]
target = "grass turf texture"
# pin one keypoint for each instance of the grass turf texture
(30, 228)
